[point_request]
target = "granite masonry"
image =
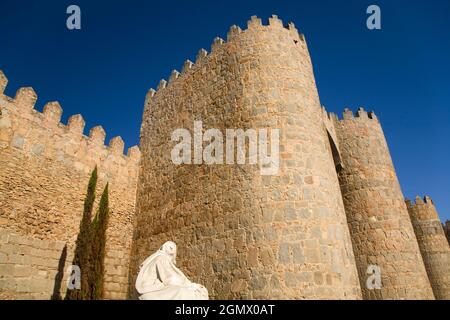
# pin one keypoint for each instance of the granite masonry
(334, 209)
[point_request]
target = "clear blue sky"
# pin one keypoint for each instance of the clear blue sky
(126, 47)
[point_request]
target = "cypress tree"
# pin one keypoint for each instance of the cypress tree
(99, 226)
(83, 243)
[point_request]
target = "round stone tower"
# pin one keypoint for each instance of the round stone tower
(433, 244)
(241, 233)
(380, 227)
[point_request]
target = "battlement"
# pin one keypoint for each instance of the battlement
(19, 118)
(254, 24)
(426, 200)
(360, 114)
(422, 209)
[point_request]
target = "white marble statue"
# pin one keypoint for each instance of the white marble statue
(160, 279)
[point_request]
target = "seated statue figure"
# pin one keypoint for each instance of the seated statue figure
(160, 279)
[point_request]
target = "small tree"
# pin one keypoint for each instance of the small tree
(99, 226)
(83, 249)
(90, 245)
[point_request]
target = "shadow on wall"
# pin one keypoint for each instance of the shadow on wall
(60, 275)
(446, 227)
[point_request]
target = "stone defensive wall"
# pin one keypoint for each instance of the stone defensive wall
(432, 243)
(379, 223)
(241, 234)
(44, 172)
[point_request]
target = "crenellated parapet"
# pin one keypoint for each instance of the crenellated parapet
(235, 37)
(361, 114)
(331, 121)
(424, 217)
(352, 126)
(423, 203)
(432, 243)
(234, 34)
(22, 123)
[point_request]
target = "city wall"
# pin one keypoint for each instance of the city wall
(45, 167)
